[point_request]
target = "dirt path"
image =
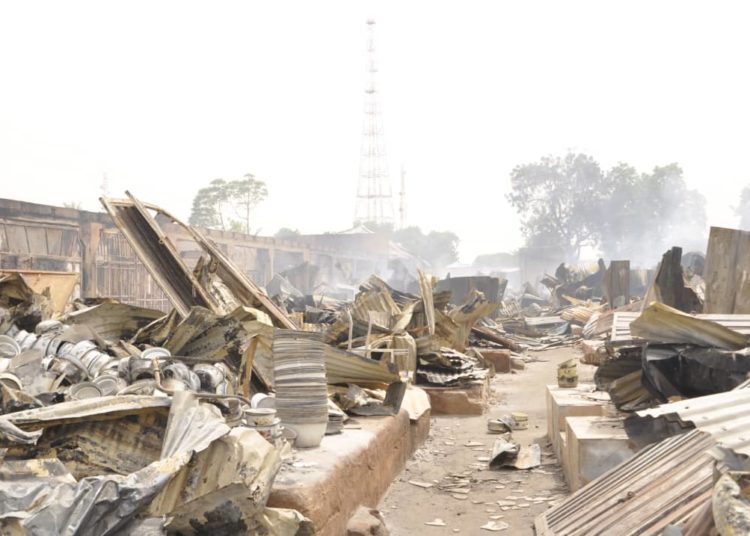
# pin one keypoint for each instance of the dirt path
(451, 454)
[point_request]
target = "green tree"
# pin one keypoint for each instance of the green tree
(228, 205)
(244, 195)
(206, 211)
(570, 202)
(439, 248)
(286, 232)
(651, 211)
(558, 201)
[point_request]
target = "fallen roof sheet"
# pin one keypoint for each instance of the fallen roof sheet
(621, 329)
(725, 416)
(348, 367)
(89, 409)
(658, 486)
(114, 321)
(661, 323)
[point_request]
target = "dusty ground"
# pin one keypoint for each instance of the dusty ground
(451, 450)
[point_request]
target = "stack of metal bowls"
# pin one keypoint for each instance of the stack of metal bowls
(301, 387)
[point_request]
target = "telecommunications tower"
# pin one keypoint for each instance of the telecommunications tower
(374, 199)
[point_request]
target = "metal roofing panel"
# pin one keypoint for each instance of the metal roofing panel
(726, 416)
(660, 485)
(621, 324)
(348, 367)
(661, 323)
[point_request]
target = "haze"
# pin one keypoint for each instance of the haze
(165, 96)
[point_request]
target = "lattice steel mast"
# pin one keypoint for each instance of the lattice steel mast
(374, 199)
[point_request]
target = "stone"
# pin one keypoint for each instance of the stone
(592, 351)
(366, 522)
(566, 402)
(594, 446)
(470, 400)
(500, 359)
(494, 526)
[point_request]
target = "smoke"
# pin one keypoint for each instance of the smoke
(650, 213)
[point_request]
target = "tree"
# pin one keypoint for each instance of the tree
(439, 248)
(650, 212)
(572, 203)
(244, 195)
(286, 232)
(558, 200)
(743, 209)
(206, 211)
(227, 205)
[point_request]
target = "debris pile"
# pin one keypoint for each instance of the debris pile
(113, 423)
(185, 418)
(677, 367)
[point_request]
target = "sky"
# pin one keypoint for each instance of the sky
(164, 96)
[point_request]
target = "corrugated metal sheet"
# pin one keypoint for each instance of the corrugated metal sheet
(348, 367)
(658, 486)
(726, 416)
(621, 324)
(661, 323)
(628, 393)
(445, 378)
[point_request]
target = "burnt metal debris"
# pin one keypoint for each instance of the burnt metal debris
(675, 364)
(120, 419)
(117, 418)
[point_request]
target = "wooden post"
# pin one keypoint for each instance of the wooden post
(246, 373)
(617, 283)
(726, 272)
(89, 233)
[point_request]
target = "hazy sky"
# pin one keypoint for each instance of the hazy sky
(165, 96)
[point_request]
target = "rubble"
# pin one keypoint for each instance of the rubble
(118, 418)
(678, 366)
(185, 416)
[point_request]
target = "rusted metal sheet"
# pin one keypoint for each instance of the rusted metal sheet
(94, 409)
(113, 321)
(658, 486)
(59, 286)
(105, 503)
(120, 445)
